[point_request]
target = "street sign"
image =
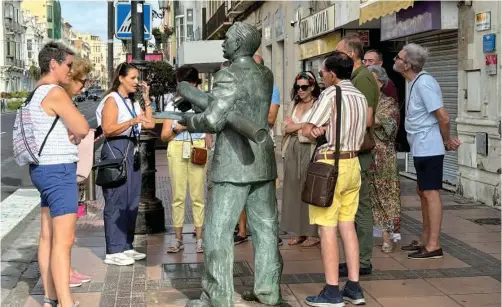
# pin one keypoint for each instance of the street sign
(123, 20)
(489, 43)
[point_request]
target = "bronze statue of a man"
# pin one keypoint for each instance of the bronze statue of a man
(243, 172)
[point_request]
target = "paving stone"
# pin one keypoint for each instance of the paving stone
(96, 286)
(13, 268)
(107, 301)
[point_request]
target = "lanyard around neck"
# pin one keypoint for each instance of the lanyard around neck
(132, 112)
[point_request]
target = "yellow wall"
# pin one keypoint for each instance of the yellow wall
(37, 8)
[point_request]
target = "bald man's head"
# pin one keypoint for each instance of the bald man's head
(258, 59)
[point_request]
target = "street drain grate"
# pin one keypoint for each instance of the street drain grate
(195, 270)
(487, 221)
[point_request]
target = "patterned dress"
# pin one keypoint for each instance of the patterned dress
(385, 189)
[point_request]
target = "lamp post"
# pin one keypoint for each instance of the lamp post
(151, 212)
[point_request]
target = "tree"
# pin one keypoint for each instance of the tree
(161, 78)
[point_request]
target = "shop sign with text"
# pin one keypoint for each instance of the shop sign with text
(317, 24)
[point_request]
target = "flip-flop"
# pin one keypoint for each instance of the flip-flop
(297, 240)
(311, 242)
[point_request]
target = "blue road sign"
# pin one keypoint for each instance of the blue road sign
(123, 20)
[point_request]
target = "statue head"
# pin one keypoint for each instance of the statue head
(241, 39)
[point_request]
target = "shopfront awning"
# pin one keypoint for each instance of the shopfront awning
(373, 9)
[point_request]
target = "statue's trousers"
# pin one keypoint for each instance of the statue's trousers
(227, 201)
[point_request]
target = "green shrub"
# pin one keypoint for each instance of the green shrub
(21, 94)
(14, 104)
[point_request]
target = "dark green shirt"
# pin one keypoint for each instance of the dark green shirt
(364, 81)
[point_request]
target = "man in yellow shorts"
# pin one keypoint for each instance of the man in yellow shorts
(337, 70)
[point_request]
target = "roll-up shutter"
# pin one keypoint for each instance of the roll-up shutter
(442, 64)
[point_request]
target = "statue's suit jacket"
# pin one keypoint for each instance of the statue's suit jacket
(246, 88)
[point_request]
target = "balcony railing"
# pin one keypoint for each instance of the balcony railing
(217, 21)
(239, 6)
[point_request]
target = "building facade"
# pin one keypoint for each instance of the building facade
(97, 57)
(34, 38)
(12, 30)
(479, 98)
(49, 13)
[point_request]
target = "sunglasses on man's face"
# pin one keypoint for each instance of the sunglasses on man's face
(302, 87)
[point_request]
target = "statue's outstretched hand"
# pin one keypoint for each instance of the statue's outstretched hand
(183, 105)
(185, 119)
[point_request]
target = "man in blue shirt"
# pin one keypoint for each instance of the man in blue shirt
(428, 129)
(241, 235)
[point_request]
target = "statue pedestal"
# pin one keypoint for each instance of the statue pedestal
(151, 212)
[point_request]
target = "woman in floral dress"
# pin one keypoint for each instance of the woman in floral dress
(385, 189)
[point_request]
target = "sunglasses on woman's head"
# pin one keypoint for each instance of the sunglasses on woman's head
(303, 75)
(302, 87)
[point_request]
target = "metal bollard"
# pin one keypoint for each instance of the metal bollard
(90, 187)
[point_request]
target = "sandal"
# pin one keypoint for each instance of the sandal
(311, 242)
(199, 249)
(387, 248)
(297, 240)
(53, 303)
(176, 246)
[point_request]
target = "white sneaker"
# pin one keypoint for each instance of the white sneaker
(118, 259)
(134, 254)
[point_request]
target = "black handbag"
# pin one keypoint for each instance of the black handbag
(112, 173)
(320, 182)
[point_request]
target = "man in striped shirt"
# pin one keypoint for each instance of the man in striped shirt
(337, 70)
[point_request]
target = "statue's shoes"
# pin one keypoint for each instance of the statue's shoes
(251, 297)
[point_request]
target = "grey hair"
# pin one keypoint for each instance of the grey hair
(52, 51)
(416, 55)
(380, 73)
(250, 38)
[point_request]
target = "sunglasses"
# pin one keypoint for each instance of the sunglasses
(302, 87)
(84, 82)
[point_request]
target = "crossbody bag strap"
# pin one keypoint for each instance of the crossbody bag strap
(50, 130)
(127, 148)
(411, 89)
(338, 125)
(26, 102)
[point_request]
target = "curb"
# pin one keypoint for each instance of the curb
(14, 204)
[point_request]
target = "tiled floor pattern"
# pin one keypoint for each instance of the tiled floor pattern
(473, 280)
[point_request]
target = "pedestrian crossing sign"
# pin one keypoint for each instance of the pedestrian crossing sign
(123, 20)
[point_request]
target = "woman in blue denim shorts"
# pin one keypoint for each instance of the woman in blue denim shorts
(55, 174)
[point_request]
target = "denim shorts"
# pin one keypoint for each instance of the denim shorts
(57, 184)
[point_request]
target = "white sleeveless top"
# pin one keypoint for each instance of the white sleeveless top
(123, 113)
(58, 149)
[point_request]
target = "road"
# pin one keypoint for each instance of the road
(13, 175)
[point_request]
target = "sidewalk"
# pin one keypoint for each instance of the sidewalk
(468, 275)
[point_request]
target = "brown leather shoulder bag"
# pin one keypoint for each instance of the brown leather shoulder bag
(320, 183)
(198, 155)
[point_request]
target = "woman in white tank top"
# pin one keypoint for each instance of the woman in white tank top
(55, 175)
(122, 120)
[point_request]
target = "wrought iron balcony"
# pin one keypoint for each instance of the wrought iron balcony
(238, 7)
(218, 23)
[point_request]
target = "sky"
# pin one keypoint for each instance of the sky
(90, 16)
